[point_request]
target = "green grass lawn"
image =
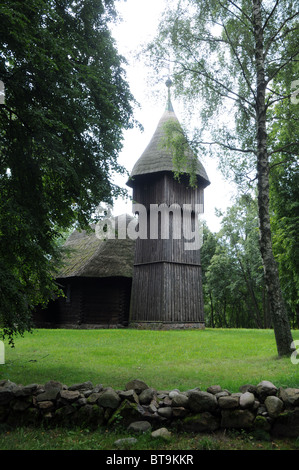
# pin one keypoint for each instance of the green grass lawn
(163, 359)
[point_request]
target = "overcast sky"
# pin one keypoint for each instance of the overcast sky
(140, 19)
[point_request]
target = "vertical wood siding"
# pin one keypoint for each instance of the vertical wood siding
(167, 279)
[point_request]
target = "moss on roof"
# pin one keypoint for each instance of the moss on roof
(156, 158)
(88, 256)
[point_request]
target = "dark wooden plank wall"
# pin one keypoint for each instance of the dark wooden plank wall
(105, 302)
(167, 280)
(167, 292)
(171, 250)
(89, 301)
(161, 188)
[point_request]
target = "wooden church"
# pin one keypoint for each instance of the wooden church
(153, 280)
(167, 278)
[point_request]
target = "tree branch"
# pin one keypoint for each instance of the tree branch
(233, 14)
(281, 149)
(4, 106)
(236, 96)
(270, 41)
(282, 66)
(229, 147)
(242, 11)
(239, 62)
(271, 14)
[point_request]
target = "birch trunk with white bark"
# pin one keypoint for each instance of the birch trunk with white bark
(277, 308)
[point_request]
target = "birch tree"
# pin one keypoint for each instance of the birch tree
(228, 53)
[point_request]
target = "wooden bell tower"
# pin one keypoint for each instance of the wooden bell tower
(167, 279)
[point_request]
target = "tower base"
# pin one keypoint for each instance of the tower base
(151, 325)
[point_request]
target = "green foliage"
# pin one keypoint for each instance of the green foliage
(284, 184)
(211, 49)
(177, 143)
(66, 105)
(233, 276)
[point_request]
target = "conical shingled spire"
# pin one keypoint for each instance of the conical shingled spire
(156, 158)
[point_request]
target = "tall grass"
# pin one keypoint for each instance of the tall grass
(163, 359)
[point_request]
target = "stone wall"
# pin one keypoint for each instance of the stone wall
(263, 408)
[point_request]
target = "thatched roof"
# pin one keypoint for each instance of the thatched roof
(88, 256)
(156, 158)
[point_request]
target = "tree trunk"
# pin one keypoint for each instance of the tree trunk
(278, 312)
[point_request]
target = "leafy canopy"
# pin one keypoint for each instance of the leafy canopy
(66, 105)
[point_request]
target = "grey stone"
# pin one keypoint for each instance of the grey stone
(166, 401)
(82, 386)
(53, 384)
(161, 433)
(265, 389)
(90, 415)
(8, 385)
(214, 389)
(137, 385)
(127, 413)
(261, 409)
(179, 400)
(125, 442)
(98, 388)
(165, 412)
(147, 395)
(196, 389)
(274, 406)
(140, 426)
(82, 401)
(256, 405)
(290, 396)
(93, 398)
(237, 419)
(65, 413)
(109, 399)
(130, 395)
(228, 402)
(247, 400)
(162, 393)
(46, 405)
(201, 422)
(153, 407)
(179, 412)
(49, 394)
(25, 391)
(70, 396)
(248, 388)
(202, 401)
(224, 393)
